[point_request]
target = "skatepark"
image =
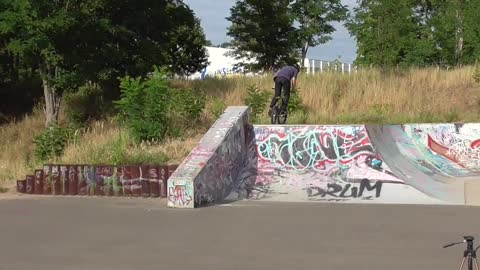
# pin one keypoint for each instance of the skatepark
(395, 164)
(272, 197)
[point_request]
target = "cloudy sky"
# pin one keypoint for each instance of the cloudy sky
(212, 14)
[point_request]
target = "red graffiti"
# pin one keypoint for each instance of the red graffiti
(180, 195)
(443, 151)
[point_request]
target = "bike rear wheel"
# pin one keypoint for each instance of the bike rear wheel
(274, 117)
(282, 117)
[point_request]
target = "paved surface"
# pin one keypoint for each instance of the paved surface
(117, 234)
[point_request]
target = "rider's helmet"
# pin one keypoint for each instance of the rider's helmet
(297, 66)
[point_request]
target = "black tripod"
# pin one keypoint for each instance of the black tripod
(470, 254)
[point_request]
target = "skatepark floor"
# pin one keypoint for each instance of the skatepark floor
(119, 233)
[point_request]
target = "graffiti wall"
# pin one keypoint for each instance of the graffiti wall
(209, 172)
(314, 163)
(451, 148)
(99, 180)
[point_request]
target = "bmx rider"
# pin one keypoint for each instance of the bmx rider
(285, 78)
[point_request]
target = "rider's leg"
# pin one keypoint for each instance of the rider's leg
(286, 94)
(278, 92)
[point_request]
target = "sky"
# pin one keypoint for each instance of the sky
(212, 14)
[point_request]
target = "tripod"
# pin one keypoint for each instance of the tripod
(469, 254)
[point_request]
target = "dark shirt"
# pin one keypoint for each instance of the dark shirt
(287, 72)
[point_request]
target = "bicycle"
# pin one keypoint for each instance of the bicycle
(278, 116)
(470, 254)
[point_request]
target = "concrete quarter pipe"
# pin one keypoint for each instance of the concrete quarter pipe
(402, 164)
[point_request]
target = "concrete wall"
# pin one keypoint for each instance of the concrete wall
(98, 180)
(319, 163)
(209, 172)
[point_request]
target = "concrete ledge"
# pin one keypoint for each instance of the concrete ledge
(472, 192)
(207, 174)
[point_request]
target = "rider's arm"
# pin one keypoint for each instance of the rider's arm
(294, 83)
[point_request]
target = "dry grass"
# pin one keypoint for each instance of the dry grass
(424, 95)
(419, 95)
(16, 147)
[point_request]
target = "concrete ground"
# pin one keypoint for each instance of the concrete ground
(118, 233)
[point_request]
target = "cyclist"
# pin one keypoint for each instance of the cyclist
(285, 78)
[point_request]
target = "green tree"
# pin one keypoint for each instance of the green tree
(263, 30)
(455, 25)
(315, 19)
(416, 32)
(391, 33)
(70, 42)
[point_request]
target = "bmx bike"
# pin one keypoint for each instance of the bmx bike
(470, 254)
(278, 116)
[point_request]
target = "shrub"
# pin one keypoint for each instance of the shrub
(217, 107)
(257, 100)
(295, 103)
(84, 105)
(152, 110)
(51, 143)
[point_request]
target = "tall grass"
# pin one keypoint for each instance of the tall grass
(368, 96)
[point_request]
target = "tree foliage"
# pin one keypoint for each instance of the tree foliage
(315, 19)
(71, 42)
(263, 30)
(416, 33)
(278, 32)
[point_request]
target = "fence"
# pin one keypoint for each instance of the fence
(313, 66)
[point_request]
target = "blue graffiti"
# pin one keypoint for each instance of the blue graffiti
(314, 149)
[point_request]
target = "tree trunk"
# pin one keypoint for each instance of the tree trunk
(459, 34)
(304, 53)
(52, 98)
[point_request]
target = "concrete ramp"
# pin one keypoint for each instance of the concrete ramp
(410, 164)
(398, 164)
(321, 164)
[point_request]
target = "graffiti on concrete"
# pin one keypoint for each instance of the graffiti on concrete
(224, 72)
(30, 184)
(38, 182)
(458, 145)
(214, 164)
(180, 193)
(350, 190)
(101, 180)
(324, 162)
(315, 148)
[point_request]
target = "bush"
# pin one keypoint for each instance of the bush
(51, 143)
(152, 110)
(217, 107)
(257, 100)
(295, 103)
(84, 105)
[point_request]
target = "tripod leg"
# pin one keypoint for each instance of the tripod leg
(475, 262)
(463, 262)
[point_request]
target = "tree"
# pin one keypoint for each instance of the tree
(416, 32)
(391, 33)
(314, 18)
(263, 30)
(70, 42)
